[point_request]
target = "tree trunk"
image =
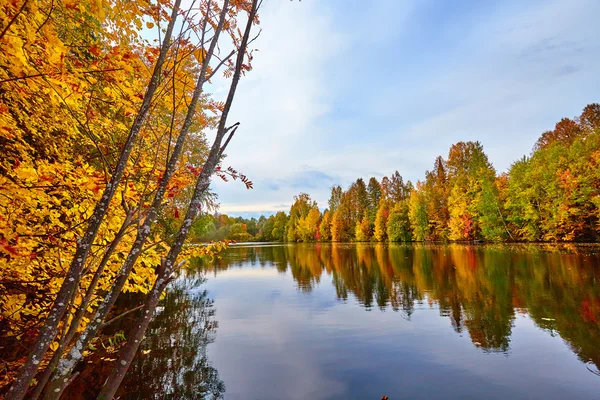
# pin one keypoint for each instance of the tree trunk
(48, 331)
(67, 365)
(168, 267)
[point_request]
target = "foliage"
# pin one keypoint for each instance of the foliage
(374, 195)
(553, 195)
(325, 227)
(380, 233)
(363, 230)
(308, 226)
(279, 224)
(398, 224)
(418, 214)
(299, 226)
(103, 161)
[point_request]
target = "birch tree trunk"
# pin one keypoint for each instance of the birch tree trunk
(168, 267)
(48, 331)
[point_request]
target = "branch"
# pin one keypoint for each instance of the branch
(104, 325)
(234, 126)
(220, 64)
(13, 19)
(39, 75)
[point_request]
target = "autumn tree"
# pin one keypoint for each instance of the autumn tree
(340, 227)
(418, 213)
(363, 230)
(553, 195)
(589, 120)
(374, 195)
(299, 211)
(467, 165)
(380, 233)
(325, 226)
(117, 133)
(436, 191)
(308, 226)
(565, 131)
(398, 190)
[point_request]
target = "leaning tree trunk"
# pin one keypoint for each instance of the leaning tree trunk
(66, 365)
(48, 331)
(168, 266)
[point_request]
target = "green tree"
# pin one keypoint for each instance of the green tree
(417, 213)
(491, 219)
(265, 233)
(279, 225)
(362, 198)
(398, 226)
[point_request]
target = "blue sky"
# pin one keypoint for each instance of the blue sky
(348, 89)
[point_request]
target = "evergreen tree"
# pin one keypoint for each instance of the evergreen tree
(335, 198)
(374, 195)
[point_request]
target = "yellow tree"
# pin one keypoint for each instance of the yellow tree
(308, 226)
(338, 227)
(115, 135)
(363, 229)
(380, 233)
(325, 227)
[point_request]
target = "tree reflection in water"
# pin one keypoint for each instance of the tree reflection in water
(479, 288)
(172, 362)
(176, 366)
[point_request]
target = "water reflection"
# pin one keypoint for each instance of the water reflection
(172, 362)
(480, 289)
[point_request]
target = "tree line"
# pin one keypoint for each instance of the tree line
(551, 195)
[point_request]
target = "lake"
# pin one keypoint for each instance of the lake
(359, 321)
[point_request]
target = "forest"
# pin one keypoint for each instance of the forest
(552, 195)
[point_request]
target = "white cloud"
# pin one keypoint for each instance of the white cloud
(347, 91)
(278, 102)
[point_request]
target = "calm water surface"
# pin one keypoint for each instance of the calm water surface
(361, 321)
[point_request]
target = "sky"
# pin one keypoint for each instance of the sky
(347, 89)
